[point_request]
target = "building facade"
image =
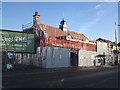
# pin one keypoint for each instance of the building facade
(60, 47)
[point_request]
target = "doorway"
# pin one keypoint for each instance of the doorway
(74, 59)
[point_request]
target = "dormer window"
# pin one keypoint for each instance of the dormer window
(68, 37)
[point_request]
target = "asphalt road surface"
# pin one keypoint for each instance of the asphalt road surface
(105, 77)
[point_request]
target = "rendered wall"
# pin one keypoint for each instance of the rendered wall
(101, 47)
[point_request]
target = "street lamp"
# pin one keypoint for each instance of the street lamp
(116, 56)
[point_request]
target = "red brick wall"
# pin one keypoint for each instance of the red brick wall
(68, 44)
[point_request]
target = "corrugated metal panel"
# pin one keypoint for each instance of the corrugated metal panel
(57, 57)
(86, 58)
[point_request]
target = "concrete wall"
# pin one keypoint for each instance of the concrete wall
(85, 58)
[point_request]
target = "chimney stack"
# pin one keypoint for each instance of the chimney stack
(36, 18)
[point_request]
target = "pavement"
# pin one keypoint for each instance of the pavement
(43, 70)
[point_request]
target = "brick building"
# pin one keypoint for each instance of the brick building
(60, 47)
(61, 37)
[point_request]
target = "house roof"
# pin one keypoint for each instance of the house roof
(101, 55)
(119, 44)
(56, 32)
(52, 31)
(103, 40)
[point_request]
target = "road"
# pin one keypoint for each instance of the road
(106, 77)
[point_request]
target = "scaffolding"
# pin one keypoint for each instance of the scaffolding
(26, 26)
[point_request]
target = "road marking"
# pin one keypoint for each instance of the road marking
(61, 81)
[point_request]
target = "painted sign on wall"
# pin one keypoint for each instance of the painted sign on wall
(17, 41)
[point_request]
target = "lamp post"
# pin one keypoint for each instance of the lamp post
(116, 54)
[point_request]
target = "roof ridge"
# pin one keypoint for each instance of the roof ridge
(72, 32)
(50, 26)
(60, 29)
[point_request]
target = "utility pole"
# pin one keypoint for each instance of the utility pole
(115, 62)
(116, 58)
(115, 35)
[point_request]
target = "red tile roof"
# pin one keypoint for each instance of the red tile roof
(56, 32)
